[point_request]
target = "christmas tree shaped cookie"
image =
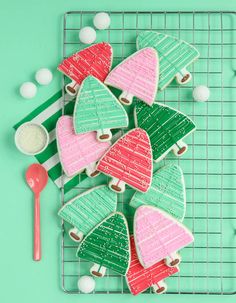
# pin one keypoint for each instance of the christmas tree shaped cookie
(97, 109)
(107, 246)
(158, 236)
(139, 278)
(129, 161)
(167, 192)
(166, 128)
(94, 60)
(87, 210)
(174, 55)
(136, 76)
(78, 152)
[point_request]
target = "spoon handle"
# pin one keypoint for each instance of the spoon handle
(37, 241)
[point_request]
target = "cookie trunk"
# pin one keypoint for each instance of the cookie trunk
(126, 98)
(72, 88)
(183, 77)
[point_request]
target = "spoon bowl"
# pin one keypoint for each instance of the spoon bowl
(36, 177)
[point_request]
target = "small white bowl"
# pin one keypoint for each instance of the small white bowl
(23, 133)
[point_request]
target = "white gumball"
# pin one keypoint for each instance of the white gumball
(43, 76)
(86, 284)
(201, 93)
(101, 20)
(28, 90)
(87, 35)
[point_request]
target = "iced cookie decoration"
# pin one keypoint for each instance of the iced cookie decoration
(158, 236)
(129, 161)
(107, 246)
(166, 128)
(174, 56)
(97, 109)
(94, 60)
(78, 152)
(167, 192)
(87, 210)
(139, 278)
(136, 76)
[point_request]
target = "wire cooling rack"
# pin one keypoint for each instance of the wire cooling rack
(209, 265)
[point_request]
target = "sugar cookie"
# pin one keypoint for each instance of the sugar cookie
(87, 210)
(167, 192)
(139, 278)
(166, 128)
(94, 60)
(175, 56)
(158, 236)
(136, 76)
(107, 245)
(97, 109)
(78, 152)
(129, 161)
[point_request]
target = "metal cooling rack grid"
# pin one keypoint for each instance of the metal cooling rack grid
(209, 265)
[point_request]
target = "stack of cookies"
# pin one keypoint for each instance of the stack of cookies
(150, 255)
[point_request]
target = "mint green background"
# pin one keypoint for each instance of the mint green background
(30, 38)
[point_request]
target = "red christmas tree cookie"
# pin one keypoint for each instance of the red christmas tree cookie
(95, 60)
(139, 278)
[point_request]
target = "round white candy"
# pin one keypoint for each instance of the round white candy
(101, 20)
(43, 76)
(86, 284)
(87, 35)
(28, 90)
(201, 93)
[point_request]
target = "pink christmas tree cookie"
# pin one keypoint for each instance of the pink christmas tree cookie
(95, 60)
(136, 76)
(78, 152)
(159, 236)
(129, 161)
(139, 278)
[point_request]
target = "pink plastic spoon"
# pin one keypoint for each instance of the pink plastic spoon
(37, 178)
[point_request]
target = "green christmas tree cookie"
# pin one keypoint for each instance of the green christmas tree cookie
(174, 56)
(97, 109)
(107, 246)
(87, 210)
(167, 192)
(166, 128)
